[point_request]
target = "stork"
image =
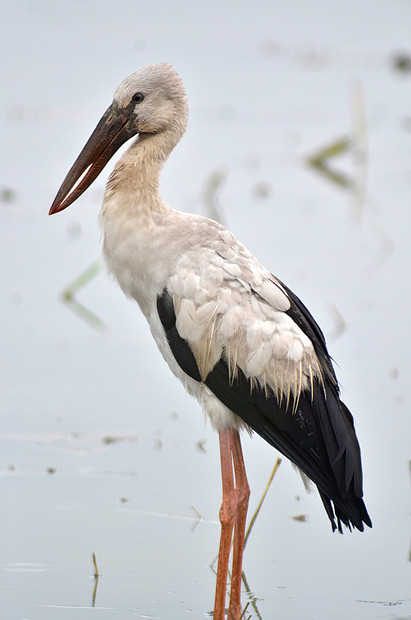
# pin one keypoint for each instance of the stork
(236, 336)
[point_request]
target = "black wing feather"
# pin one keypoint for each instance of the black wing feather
(319, 437)
(306, 322)
(179, 347)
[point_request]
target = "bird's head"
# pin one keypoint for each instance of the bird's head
(150, 101)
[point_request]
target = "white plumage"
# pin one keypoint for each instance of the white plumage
(240, 341)
(224, 299)
(235, 308)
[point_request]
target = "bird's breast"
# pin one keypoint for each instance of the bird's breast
(134, 254)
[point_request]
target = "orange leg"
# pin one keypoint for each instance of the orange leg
(242, 493)
(227, 524)
(233, 514)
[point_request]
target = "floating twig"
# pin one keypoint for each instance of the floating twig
(260, 503)
(96, 573)
(244, 610)
(68, 295)
(251, 597)
(197, 519)
(96, 577)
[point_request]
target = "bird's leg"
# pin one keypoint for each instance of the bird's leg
(233, 513)
(227, 522)
(242, 494)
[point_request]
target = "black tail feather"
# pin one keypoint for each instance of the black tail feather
(318, 437)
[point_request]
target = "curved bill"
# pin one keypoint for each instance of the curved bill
(111, 132)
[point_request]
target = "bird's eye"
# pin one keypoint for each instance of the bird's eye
(137, 98)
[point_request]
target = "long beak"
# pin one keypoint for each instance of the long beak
(115, 127)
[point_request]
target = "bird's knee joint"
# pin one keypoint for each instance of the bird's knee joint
(226, 514)
(243, 495)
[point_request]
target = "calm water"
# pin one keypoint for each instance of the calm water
(101, 449)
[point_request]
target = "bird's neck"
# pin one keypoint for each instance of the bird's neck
(134, 182)
(134, 217)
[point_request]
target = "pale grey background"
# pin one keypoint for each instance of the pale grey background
(269, 83)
